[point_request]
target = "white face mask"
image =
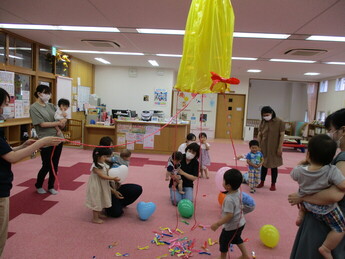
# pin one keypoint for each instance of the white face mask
(189, 155)
(267, 118)
(45, 98)
(331, 135)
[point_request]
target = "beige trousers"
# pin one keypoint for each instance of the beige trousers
(4, 214)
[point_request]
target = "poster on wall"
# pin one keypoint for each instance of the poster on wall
(161, 97)
(7, 82)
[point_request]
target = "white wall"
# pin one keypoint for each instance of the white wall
(332, 100)
(288, 99)
(120, 91)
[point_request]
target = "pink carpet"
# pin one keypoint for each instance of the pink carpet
(58, 226)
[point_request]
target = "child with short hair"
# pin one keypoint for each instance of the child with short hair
(116, 159)
(98, 190)
(61, 113)
(232, 219)
(318, 175)
(173, 168)
(205, 160)
(255, 159)
(189, 139)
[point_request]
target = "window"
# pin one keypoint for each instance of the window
(340, 84)
(2, 47)
(321, 116)
(306, 116)
(323, 86)
(20, 53)
(46, 60)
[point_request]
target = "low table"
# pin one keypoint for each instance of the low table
(295, 142)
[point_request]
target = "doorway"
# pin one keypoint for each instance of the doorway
(230, 116)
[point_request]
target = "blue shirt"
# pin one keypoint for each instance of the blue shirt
(254, 158)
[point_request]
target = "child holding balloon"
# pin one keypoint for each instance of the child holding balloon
(318, 175)
(98, 188)
(232, 219)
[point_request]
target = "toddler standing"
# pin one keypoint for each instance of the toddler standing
(232, 219)
(98, 191)
(204, 155)
(61, 113)
(255, 159)
(318, 175)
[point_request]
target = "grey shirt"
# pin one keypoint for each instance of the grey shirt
(232, 204)
(40, 114)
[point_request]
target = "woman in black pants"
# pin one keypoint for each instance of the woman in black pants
(42, 115)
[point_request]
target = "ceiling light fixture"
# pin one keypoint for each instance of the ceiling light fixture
(291, 60)
(170, 55)
(261, 35)
(326, 38)
(56, 27)
(335, 63)
(153, 63)
(243, 58)
(102, 52)
(102, 61)
(311, 74)
(254, 70)
(161, 31)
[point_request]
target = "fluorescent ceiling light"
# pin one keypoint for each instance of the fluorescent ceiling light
(11, 56)
(57, 27)
(291, 60)
(311, 74)
(170, 55)
(254, 70)
(102, 60)
(243, 58)
(261, 35)
(326, 38)
(153, 63)
(102, 52)
(335, 63)
(161, 31)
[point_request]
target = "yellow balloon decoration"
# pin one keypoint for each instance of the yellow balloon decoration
(207, 48)
(269, 235)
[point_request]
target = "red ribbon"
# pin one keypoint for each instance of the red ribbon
(218, 79)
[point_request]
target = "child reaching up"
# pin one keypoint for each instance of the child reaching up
(232, 219)
(173, 168)
(61, 113)
(204, 155)
(255, 159)
(318, 175)
(98, 191)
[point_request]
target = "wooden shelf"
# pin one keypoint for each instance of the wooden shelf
(14, 129)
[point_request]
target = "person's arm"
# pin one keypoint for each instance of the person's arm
(280, 144)
(262, 161)
(228, 216)
(207, 146)
(250, 163)
(60, 124)
(259, 137)
(324, 197)
(30, 146)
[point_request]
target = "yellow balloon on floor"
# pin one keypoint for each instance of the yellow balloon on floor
(207, 46)
(269, 235)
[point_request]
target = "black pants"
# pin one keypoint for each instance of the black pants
(46, 165)
(274, 172)
(130, 193)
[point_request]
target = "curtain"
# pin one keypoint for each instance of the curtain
(312, 91)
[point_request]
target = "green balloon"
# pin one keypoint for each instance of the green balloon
(185, 208)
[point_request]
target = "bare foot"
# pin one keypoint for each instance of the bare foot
(102, 216)
(325, 252)
(97, 221)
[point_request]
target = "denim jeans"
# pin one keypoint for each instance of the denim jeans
(175, 196)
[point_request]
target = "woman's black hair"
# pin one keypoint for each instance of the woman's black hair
(191, 137)
(106, 141)
(63, 101)
(4, 95)
(42, 89)
(234, 178)
(336, 119)
(98, 152)
(202, 134)
(195, 148)
(268, 109)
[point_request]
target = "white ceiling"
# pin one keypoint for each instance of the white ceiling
(311, 17)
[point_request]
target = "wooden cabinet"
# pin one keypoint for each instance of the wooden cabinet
(315, 129)
(16, 131)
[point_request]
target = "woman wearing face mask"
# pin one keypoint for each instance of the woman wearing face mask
(9, 155)
(271, 138)
(312, 232)
(42, 115)
(189, 173)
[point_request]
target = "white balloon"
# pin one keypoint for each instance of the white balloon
(121, 172)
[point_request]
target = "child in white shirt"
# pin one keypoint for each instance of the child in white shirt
(61, 113)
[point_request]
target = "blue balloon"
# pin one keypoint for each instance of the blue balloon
(145, 209)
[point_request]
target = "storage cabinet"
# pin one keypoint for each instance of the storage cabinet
(16, 131)
(315, 129)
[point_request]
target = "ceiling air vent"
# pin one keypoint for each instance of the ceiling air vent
(305, 52)
(102, 43)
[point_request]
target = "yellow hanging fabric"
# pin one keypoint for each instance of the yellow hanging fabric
(207, 46)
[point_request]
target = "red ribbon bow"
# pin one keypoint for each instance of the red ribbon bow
(218, 79)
